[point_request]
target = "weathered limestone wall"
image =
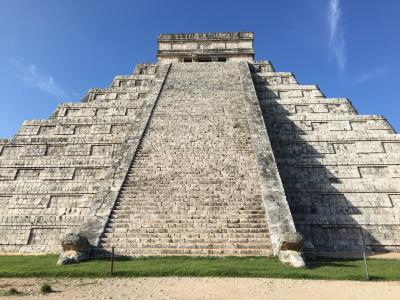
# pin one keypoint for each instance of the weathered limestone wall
(232, 46)
(193, 187)
(52, 169)
(340, 170)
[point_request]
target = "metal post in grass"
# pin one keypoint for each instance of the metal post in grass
(365, 266)
(112, 261)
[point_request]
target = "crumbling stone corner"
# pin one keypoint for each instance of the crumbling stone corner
(286, 242)
(75, 248)
(290, 249)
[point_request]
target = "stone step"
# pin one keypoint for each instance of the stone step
(66, 139)
(184, 219)
(140, 223)
(315, 117)
(186, 225)
(143, 221)
(134, 239)
(197, 232)
(84, 120)
(236, 207)
(229, 203)
(52, 162)
(133, 89)
(187, 252)
(303, 100)
(304, 132)
(165, 212)
(185, 235)
(183, 245)
(195, 215)
(377, 185)
(132, 194)
(174, 208)
(336, 136)
(350, 160)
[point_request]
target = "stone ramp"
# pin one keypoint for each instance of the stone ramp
(193, 187)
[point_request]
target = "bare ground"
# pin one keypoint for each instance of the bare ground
(201, 288)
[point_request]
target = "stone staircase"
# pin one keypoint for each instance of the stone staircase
(193, 186)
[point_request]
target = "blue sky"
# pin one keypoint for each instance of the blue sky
(53, 51)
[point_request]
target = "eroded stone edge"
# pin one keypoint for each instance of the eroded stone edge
(97, 217)
(279, 217)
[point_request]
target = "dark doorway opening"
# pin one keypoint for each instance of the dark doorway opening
(204, 59)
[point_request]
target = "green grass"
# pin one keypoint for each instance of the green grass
(45, 266)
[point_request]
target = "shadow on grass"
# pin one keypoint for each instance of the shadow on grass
(344, 263)
(117, 258)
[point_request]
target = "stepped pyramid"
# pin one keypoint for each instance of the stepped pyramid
(206, 152)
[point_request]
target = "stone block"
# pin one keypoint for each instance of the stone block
(75, 248)
(291, 241)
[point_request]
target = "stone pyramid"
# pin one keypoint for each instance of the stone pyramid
(206, 152)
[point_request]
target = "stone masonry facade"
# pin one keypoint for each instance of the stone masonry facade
(206, 152)
(52, 169)
(340, 170)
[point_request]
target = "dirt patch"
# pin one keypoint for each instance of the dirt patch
(391, 255)
(201, 288)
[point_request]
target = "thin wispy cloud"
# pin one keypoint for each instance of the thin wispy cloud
(367, 76)
(32, 77)
(337, 41)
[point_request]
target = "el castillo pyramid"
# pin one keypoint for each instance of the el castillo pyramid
(206, 152)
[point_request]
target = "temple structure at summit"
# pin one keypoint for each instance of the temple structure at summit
(204, 152)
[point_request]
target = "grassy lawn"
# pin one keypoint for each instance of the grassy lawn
(45, 266)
